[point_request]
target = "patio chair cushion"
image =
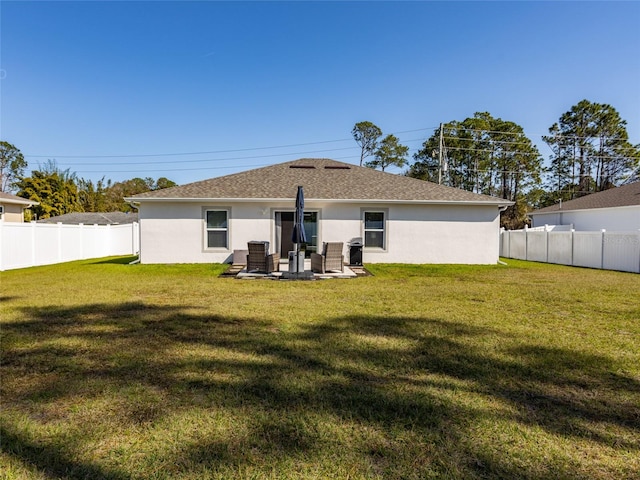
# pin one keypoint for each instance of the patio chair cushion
(331, 258)
(259, 258)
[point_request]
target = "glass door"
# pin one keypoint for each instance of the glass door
(311, 229)
(284, 230)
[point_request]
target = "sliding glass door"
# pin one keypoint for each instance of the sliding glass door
(284, 228)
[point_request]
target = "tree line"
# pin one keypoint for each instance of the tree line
(591, 152)
(60, 191)
(590, 148)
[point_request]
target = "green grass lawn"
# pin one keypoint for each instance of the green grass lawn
(116, 371)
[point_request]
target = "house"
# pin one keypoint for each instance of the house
(399, 219)
(12, 207)
(93, 218)
(616, 209)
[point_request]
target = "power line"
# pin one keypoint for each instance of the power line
(508, 152)
(223, 159)
(210, 152)
(511, 172)
(187, 153)
(198, 168)
(570, 137)
(501, 142)
(503, 152)
(159, 162)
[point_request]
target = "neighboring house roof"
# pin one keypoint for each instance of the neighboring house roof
(322, 179)
(91, 218)
(8, 198)
(625, 196)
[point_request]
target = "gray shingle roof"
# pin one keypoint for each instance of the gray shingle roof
(322, 179)
(93, 218)
(624, 196)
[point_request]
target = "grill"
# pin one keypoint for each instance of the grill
(355, 251)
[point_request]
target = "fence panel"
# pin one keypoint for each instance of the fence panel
(607, 250)
(621, 251)
(560, 248)
(505, 240)
(537, 246)
(16, 249)
(45, 244)
(587, 249)
(70, 243)
(123, 242)
(518, 244)
(93, 241)
(31, 244)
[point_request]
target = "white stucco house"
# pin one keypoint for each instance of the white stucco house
(616, 209)
(12, 207)
(399, 219)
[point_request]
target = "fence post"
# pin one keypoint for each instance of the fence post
(573, 239)
(602, 249)
(546, 237)
(526, 242)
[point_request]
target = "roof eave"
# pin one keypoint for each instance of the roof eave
(571, 210)
(25, 203)
(497, 203)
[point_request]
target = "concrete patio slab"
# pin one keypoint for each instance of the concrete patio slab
(284, 274)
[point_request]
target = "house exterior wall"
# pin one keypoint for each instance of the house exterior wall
(174, 232)
(12, 212)
(612, 219)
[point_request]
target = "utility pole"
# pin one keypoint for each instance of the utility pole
(440, 156)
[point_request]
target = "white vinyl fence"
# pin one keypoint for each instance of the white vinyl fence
(32, 244)
(605, 250)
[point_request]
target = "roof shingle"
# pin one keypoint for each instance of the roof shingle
(624, 196)
(322, 179)
(93, 218)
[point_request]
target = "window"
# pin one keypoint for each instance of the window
(374, 226)
(217, 229)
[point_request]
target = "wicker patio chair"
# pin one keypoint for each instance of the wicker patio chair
(330, 259)
(260, 260)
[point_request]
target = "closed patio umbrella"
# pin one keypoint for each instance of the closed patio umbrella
(298, 235)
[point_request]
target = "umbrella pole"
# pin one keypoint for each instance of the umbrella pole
(297, 252)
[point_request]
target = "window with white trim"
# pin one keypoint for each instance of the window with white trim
(217, 226)
(374, 230)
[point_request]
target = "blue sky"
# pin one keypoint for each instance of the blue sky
(101, 87)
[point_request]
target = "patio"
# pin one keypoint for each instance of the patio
(238, 270)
